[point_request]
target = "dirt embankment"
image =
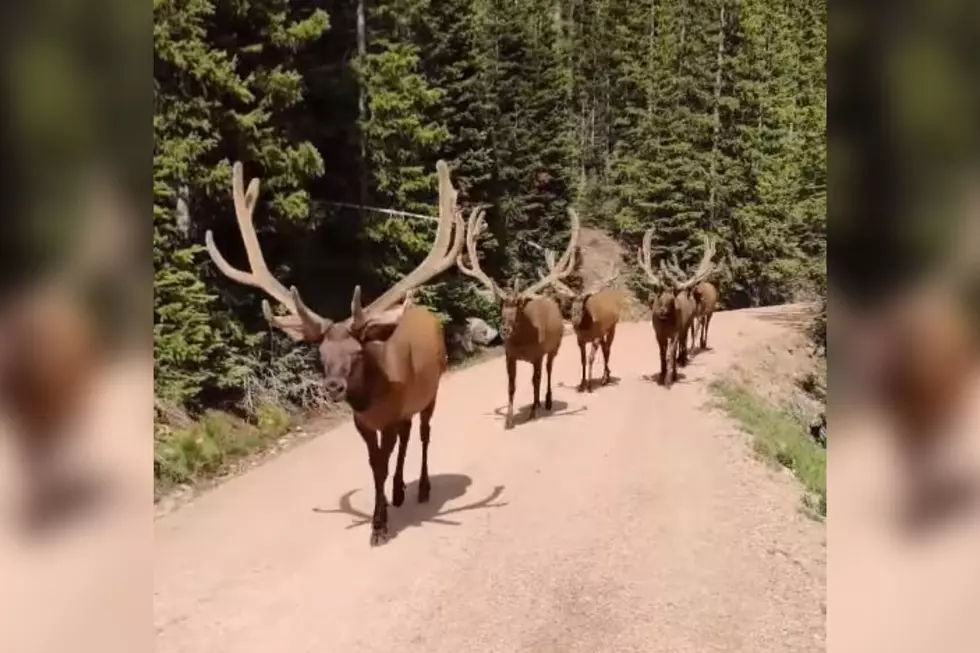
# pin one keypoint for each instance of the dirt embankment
(600, 257)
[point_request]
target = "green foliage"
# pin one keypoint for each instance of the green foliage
(694, 117)
(223, 89)
(212, 445)
(778, 437)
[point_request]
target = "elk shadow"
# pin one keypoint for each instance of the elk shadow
(798, 318)
(655, 378)
(65, 501)
(522, 415)
(445, 488)
(594, 385)
(942, 501)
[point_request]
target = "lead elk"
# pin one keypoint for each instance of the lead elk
(672, 308)
(385, 360)
(532, 326)
(595, 313)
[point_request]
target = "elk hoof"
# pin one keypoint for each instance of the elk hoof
(398, 494)
(424, 490)
(582, 387)
(547, 403)
(508, 423)
(379, 535)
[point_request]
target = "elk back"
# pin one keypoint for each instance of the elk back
(408, 367)
(600, 314)
(539, 331)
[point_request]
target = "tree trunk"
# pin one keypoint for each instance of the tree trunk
(362, 103)
(712, 198)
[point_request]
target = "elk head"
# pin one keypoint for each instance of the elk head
(351, 351)
(512, 303)
(663, 304)
(578, 298)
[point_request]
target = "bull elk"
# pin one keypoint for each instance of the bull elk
(532, 326)
(672, 309)
(705, 297)
(51, 351)
(385, 360)
(595, 314)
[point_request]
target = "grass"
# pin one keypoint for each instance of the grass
(188, 452)
(778, 437)
(212, 446)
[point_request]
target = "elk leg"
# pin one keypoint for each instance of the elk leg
(424, 429)
(547, 397)
(379, 455)
(593, 350)
(704, 331)
(606, 351)
(672, 359)
(680, 344)
(663, 361)
(511, 386)
(536, 382)
(398, 483)
(583, 384)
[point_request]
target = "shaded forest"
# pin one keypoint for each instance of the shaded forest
(693, 116)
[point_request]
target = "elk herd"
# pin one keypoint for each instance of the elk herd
(386, 359)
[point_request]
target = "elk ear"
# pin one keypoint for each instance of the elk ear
(392, 362)
(294, 326)
(376, 331)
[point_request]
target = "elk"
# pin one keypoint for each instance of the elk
(532, 326)
(705, 297)
(52, 348)
(385, 360)
(595, 314)
(672, 309)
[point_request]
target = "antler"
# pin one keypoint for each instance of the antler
(564, 266)
(672, 271)
(475, 226)
(441, 256)
(704, 269)
(302, 323)
(643, 258)
(557, 284)
(564, 289)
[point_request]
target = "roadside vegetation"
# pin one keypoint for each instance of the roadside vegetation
(778, 436)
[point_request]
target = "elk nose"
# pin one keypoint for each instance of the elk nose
(335, 388)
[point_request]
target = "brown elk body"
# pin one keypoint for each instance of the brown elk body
(532, 326)
(923, 355)
(51, 351)
(672, 308)
(386, 360)
(595, 314)
(705, 298)
(697, 302)
(48, 355)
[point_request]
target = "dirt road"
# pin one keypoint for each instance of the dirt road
(632, 519)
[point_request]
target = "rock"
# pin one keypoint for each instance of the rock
(818, 430)
(479, 332)
(459, 338)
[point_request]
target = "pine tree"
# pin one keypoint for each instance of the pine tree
(221, 91)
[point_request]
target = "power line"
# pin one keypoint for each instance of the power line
(380, 210)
